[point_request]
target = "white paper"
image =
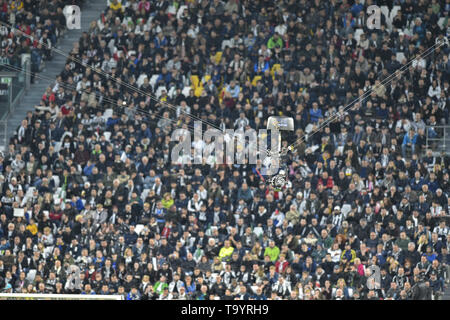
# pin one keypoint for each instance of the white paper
(258, 231)
(139, 228)
(19, 212)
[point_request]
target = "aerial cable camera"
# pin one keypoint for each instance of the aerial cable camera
(277, 125)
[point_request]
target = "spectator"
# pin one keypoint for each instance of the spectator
(360, 191)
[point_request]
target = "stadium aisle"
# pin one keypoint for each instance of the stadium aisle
(361, 197)
(446, 294)
(89, 12)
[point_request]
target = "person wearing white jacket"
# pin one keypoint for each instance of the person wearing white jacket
(434, 91)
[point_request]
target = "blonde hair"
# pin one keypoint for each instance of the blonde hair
(393, 264)
(341, 280)
(128, 250)
(423, 239)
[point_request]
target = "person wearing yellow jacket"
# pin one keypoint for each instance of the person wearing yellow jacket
(116, 6)
(226, 251)
(32, 227)
(348, 255)
(16, 6)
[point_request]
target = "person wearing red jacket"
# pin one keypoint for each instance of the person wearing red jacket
(326, 180)
(3, 8)
(282, 264)
(48, 96)
(56, 214)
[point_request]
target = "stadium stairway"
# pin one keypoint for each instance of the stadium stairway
(446, 295)
(447, 146)
(91, 11)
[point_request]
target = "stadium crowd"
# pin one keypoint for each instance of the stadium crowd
(105, 211)
(43, 20)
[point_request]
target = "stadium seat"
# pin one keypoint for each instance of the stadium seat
(31, 275)
(58, 146)
(57, 180)
(57, 195)
(441, 22)
(107, 135)
(400, 56)
(194, 82)
(172, 92)
(218, 57)
(407, 32)
(255, 80)
(107, 114)
(186, 90)
(140, 80)
(198, 91)
(275, 69)
(153, 80)
(225, 43)
(346, 208)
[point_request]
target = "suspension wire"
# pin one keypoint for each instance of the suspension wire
(106, 99)
(360, 99)
(291, 147)
(62, 84)
(108, 76)
(367, 94)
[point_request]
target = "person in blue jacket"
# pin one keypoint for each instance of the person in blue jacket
(409, 141)
(315, 113)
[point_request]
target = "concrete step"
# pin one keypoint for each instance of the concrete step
(89, 12)
(446, 295)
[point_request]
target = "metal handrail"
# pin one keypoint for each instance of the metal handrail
(3, 135)
(445, 140)
(19, 83)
